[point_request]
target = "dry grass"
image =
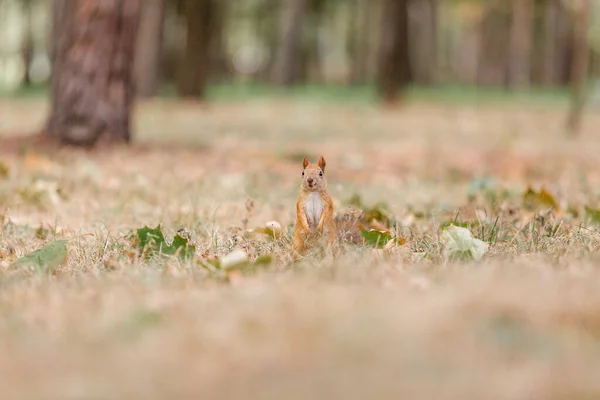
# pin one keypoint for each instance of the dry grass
(522, 323)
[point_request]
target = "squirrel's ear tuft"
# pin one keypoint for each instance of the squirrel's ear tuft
(322, 163)
(305, 162)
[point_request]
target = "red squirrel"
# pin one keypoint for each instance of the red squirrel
(314, 208)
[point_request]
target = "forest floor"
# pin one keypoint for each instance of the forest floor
(399, 322)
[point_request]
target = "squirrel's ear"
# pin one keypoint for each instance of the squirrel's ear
(322, 163)
(305, 162)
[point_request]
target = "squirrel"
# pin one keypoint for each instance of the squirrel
(314, 208)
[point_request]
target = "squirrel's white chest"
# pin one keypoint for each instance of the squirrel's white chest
(313, 208)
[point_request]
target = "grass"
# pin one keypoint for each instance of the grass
(404, 322)
(360, 95)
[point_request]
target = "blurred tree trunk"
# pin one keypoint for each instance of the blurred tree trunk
(423, 30)
(27, 46)
(311, 64)
(579, 68)
(394, 63)
(358, 42)
(267, 29)
(521, 37)
(287, 57)
(92, 79)
(493, 64)
(565, 46)
(56, 11)
(194, 66)
(550, 43)
(149, 45)
(465, 55)
(219, 65)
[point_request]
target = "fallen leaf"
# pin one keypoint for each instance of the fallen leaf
(152, 241)
(533, 200)
(593, 214)
(46, 258)
(236, 258)
(272, 229)
(379, 238)
(4, 170)
(459, 244)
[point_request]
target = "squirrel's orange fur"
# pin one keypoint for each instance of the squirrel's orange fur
(314, 208)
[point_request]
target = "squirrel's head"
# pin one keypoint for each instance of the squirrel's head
(313, 175)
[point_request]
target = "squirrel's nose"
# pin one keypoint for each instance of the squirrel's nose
(310, 180)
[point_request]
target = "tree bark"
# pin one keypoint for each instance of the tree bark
(521, 36)
(287, 58)
(92, 80)
(579, 67)
(194, 66)
(149, 46)
(394, 63)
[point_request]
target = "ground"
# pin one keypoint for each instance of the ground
(404, 322)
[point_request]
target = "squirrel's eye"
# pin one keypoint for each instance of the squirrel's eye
(302, 173)
(320, 173)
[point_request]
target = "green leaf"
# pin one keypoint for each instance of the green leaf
(265, 259)
(378, 239)
(46, 258)
(375, 238)
(152, 241)
(593, 214)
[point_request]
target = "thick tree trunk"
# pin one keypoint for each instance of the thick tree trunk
(287, 58)
(195, 64)
(92, 81)
(149, 46)
(394, 63)
(579, 68)
(521, 37)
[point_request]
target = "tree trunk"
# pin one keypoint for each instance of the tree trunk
(565, 46)
(149, 46)
(219, 65)
(423, 33)
(394, 63)
(550, 36)
(521, 37)
(27, 45)
(579, 68)
(287, 58)
(195, 63)
(493, 64)
(358, 33)
(92, 80)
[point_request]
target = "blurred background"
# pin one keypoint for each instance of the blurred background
(500, 43)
